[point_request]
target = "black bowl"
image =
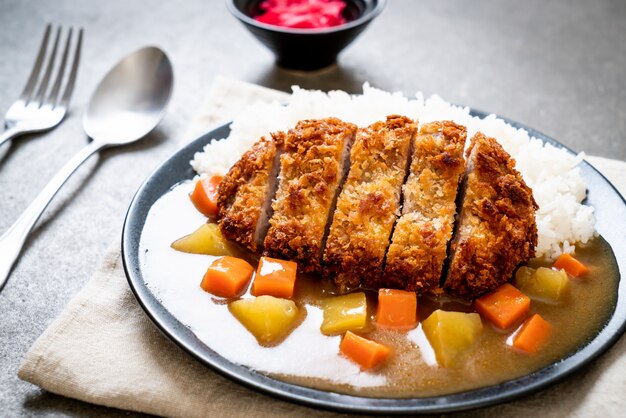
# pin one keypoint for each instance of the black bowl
(307, 49)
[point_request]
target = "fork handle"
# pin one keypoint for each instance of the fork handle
(8, 134)
(12, 241)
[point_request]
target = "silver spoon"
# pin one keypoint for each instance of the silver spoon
(127, 104)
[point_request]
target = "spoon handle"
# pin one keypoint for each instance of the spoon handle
(12, 241)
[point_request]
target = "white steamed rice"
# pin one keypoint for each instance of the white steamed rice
(552, 173)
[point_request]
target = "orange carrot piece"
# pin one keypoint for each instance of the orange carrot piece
(504, 307)
(275, 278)
(204, 195)
(533, 334)
(397, 309)
(227, 277)
(366, 353)
(572, 266)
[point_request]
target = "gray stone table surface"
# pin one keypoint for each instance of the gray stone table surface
(558, 66)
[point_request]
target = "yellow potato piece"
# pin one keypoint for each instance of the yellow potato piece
(543, 284)
(451, 333)
(523, 274)
(344, 313)
(266, 317)
(205, 240)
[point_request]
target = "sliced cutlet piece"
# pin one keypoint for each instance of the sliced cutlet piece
(312, 169)
(496, 231)
(419, 244)
(245, 193)
(369, 203)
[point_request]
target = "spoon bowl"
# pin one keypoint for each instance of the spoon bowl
(128, 103)
(131, 99)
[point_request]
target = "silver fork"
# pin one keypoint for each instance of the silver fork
(34, 111)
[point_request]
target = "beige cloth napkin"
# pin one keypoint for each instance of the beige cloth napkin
(103, 349)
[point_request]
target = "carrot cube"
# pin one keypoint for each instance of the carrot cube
(397, 309)
(366, 353)
(504, 307)
(572, 266)
(204, 195)
(227, 277)
(275, 278)
(533, 334)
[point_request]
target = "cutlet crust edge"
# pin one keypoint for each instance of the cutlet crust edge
(369, 203)
(311, 173)
(502, 232)
(243, 191)
(420, 239)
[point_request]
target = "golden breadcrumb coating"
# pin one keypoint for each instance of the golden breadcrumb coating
(419, 245)
(369, 203)
(497, 229)
(312, 168)
(246, 191)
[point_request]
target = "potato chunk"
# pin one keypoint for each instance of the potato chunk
(451, 333)
(344, 313)
(205, 240)
(268, 318)
(544, 284)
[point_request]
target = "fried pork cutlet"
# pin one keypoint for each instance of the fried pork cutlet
(369, 203)
(312, 169)
(496, 230)
(420, 239)
(245, 193)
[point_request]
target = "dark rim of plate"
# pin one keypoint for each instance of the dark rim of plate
(610, 209)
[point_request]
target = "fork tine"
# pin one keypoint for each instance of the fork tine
(34, 74)
(69, 88)
(54, 93)
(46, 77)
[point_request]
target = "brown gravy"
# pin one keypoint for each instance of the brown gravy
(175, 277)
(587, 306)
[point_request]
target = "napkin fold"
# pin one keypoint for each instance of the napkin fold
(103, 349)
